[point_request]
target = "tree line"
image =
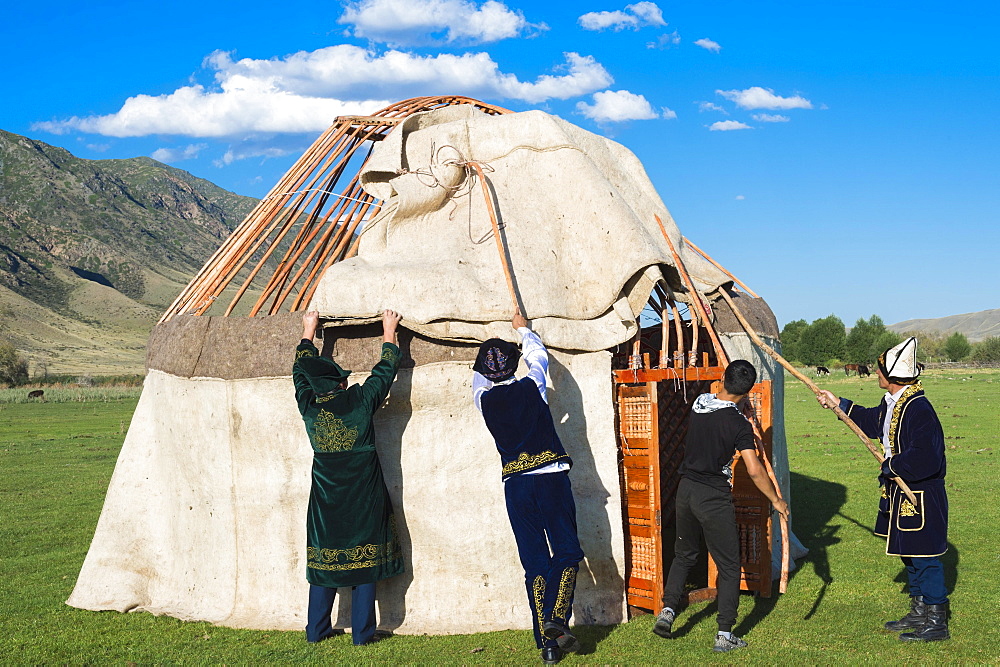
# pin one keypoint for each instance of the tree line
(826, 342)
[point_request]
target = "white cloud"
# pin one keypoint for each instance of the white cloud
(620, 105)
(665, 41)
(728, 125)
(668, 113)
(708, 44)
(243, 153)
(709, 106)
(771, 118)
(305, 91)
(761, 98)
(740, 197)
(633, 17)
(409, 22)
(177, 154)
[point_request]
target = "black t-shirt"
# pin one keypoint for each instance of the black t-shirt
(712, 440)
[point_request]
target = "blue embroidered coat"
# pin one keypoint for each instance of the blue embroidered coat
(916, 441)
(351, 534)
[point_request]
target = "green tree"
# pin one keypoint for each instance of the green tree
(790, 339)
(987, 351)
(859, 347)
(13, 366)
(930, 346)
(822, 340)
(957, 347)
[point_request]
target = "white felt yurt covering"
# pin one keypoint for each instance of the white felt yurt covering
(205, 514)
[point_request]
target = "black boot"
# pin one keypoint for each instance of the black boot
(551, 655)
(913, 620)
(935, 627)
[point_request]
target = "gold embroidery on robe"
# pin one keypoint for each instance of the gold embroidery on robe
(389, 355)
(331, 435)
(304, 353)
(567, 583)
(527, 461)
(354, 558)
(884, 494)
(906, 508)
(897, 413)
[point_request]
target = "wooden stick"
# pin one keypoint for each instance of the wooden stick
(720, 267)
(816, 390)
(785, 559)
(496, 233)
(696, 301)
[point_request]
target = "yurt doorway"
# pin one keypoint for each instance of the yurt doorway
(653, 401)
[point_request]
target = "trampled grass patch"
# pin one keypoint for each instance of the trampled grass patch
(56, 460)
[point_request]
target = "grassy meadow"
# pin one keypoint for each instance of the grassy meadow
(56, 460)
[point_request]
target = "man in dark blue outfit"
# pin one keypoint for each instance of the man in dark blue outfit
(913, 442)
(536, 482)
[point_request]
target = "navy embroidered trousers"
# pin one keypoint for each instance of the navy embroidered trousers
(543, 516)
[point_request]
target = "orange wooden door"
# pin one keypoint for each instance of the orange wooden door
(753, 510)
(638, 435)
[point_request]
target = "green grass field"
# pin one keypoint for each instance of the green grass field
(56, 460)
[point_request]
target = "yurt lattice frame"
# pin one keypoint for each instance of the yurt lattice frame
(277, 256)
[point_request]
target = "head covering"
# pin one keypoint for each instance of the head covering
(497, 360)
(899, 364)
(325, 375)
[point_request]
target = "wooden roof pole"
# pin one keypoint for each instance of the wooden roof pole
(816, 390)
(696, 301)
(496, 232)
(720, 267)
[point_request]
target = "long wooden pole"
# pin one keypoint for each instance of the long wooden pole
(759, 441)
(496, 233)
(720, 267)
(696, 301)
(816, 390)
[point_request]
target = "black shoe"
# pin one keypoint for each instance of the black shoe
(935, 627)
(559, 632)
(914, 619)
(665, 623)
(551, 655)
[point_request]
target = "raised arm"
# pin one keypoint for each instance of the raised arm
(376, 387)
(535, 356)
(305, 348)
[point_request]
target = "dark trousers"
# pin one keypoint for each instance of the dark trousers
(543, 515)
(926, 576)
(702, 509)
(362, 613)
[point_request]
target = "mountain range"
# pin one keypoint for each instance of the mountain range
(93, 251)
(975, 326)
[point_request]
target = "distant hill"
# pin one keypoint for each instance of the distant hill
(92, 251)
(975, 326)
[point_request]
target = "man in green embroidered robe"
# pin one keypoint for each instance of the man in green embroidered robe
(351, 535)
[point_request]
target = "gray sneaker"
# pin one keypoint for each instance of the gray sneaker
(723, 645)
(664, 623)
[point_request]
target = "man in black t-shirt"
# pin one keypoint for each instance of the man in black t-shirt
(716, 431)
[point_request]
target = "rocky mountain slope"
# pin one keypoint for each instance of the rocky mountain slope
(91, 251)
(975, 326)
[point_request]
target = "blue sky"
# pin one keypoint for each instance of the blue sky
(839, 157)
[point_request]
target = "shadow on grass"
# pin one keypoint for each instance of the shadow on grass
(592, 635)
(816, 502)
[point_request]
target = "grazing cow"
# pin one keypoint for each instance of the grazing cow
(850, 367)
(863, 371)
(37, 393)
(822, 370)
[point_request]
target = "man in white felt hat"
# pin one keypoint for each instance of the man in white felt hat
(911, 435)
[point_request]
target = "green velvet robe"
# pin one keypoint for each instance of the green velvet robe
(351, 534)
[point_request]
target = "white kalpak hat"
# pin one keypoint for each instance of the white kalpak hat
(900, 362)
